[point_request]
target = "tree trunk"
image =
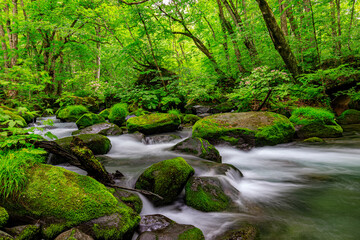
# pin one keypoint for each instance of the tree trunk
(292, 21)
(278, 38)
(283, 22)
(338, 24)
(4, 47)
(98, 55)
(350, 24)
(334, 34)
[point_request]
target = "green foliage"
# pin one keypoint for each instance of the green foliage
(118, 113)
(13, 167)
(4, 217)
(307, 115)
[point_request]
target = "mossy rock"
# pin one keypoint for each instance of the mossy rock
(198, 147)
(5, 236)
(314, 140)
(190, 119)
(4, 217)
(315, 122)
(105, 113)
(350, 116)
(166, 178)
(97, 143)
(245, 130)
(78, 199)
(73, 234)
(244, 232)
(154, 123)
(155, 139)
(130, 199)
(89, 119)
(25, 232)
(160, 227)
(106, 129)
(6, 115)
(118, 113)
(206, 194)
(71, 113)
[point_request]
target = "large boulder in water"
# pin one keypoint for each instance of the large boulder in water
(97, 143)
(62, 199)
(106, 129)
(160, 227)
(154, 123)
(4, 217)
(315, 122)
(198, 147)
(246, 129)
(207, 194)
(89, 119)
(71, 113)
(166, 178)
(350, 116)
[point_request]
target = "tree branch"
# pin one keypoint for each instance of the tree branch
(133, 3)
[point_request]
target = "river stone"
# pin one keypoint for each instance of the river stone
(245, 130)
(245, 232)
(161, 138)
(97, 143)
(25, 232)
(74, 234)
(89, 119)
(198, 147)
(190, 119)
(4, 217)
(154, 123)
(130, 199)
(204, 166)
(71, 113)
(63, 199)
(208, 194)
(159, 227)
(350, 116)
(107, 129)
(166, 178)
(5, 236)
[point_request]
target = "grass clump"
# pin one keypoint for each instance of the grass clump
(13, 167)
(307, 115)
(118, 113)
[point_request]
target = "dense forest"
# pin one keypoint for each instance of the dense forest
(236, 119)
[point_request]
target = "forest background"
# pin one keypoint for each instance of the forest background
(162, 55)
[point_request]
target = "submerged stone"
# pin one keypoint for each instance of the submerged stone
(245, 130)
(198, 147)
(166, 178)
(154, 123)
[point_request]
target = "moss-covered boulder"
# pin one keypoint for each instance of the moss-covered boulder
(118, 113)
(71, 113)
(198, 147)
(165, 138)
(25, 232)
(89, 119)
(350, 116)
(314, 140)
(244, 232)
(160, 227)
(190, 119)
(245, 130)
(130, 199)
(73, 234)
(207, 194)
(105, 113)
(4, 217)
(6, 115)
(166, 178)
(97, 143)
(106, 129)
(63, 199)
(154, 123)
(315, 122)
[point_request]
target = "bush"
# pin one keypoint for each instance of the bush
(118, 113)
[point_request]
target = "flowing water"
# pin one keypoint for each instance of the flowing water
(292, 191)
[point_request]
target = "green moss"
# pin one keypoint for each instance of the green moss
(30, 232)
(105, 113)
(71, 113)
(307, 115)
(190, 119)
(54, 229)
(350, 116)
(264, 128)
(130, 199)
(193, 234)
(154, 123)
(118, 113)
(6, 115)
(97, 143)
(89, 119)
(314, 140)
(4, 217)
(13, 167)
(205, 194)
(166, 178)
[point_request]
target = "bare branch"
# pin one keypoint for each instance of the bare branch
(133, 3)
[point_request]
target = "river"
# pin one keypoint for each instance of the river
(290, 191)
